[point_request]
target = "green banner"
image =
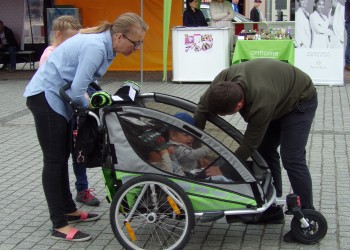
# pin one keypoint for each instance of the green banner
(166, 28)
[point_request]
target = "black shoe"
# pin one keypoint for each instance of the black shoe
(83, 217)
(73, 235)
(289, 238)
(273, 215)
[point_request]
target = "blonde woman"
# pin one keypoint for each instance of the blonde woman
(81, 59)
(63, 28)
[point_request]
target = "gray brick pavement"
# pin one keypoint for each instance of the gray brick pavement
(24, 222)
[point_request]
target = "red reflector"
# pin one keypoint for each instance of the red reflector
(298, 201)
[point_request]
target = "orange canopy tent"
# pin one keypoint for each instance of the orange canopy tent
(157, 46)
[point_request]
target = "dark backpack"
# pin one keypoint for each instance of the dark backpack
(88, 146)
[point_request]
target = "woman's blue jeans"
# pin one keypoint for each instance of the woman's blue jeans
(81, 182)
(291, 133)
(79, 170)
(54, 135)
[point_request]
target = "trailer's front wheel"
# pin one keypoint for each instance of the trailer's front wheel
(151, 212)
(315, 232)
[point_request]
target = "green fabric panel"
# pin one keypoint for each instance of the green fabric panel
(206, 205)
(106, 175)
(166, 28)
(206, 198)
(275, 49)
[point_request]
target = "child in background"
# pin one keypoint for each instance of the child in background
(63, 28)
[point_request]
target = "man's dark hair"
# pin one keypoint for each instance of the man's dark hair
(223, 97)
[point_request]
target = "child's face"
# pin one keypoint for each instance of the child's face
(181, 137)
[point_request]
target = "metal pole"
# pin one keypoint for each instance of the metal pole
(268, 10)
(141, 52)
(30, 23)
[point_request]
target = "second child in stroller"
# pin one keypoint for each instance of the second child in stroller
(188, 157)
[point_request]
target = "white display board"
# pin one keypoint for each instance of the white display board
(199, 53)
(324, 66)
(319, 41)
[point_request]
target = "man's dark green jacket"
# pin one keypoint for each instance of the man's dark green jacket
(271, 89)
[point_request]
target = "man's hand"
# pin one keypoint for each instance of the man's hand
(213, 171)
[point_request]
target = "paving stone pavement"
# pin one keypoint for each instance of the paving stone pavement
(24, 219)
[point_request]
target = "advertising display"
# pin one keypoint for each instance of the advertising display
(199, 53)
(319, 40)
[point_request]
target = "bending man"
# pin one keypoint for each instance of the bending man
(278, 101)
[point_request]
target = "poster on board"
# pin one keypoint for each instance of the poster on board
(198, 42)
(319, 40)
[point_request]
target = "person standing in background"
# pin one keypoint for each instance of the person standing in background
(347, 26)
(302, 26)
(235, 5)
(255, 13)
(336, 24)
(193, 17)
(222, 14)
(65, 27)
(8, 44)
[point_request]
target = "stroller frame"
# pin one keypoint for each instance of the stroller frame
(154, 209)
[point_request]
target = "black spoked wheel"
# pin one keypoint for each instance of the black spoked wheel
(315, 232)
(151, 212)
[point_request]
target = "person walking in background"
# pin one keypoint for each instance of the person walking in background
(222, 15)
(319, 26)
(81, 59)
(347, 26)
(8, 44)
(336, 24)
(193, 17)
(302, 26)
(63, 28)
(255, 13)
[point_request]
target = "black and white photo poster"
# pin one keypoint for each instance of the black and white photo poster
(319, 40)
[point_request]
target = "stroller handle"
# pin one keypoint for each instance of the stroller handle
(68, 85)
(75, 107)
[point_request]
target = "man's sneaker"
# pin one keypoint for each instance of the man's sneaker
(87, 197)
